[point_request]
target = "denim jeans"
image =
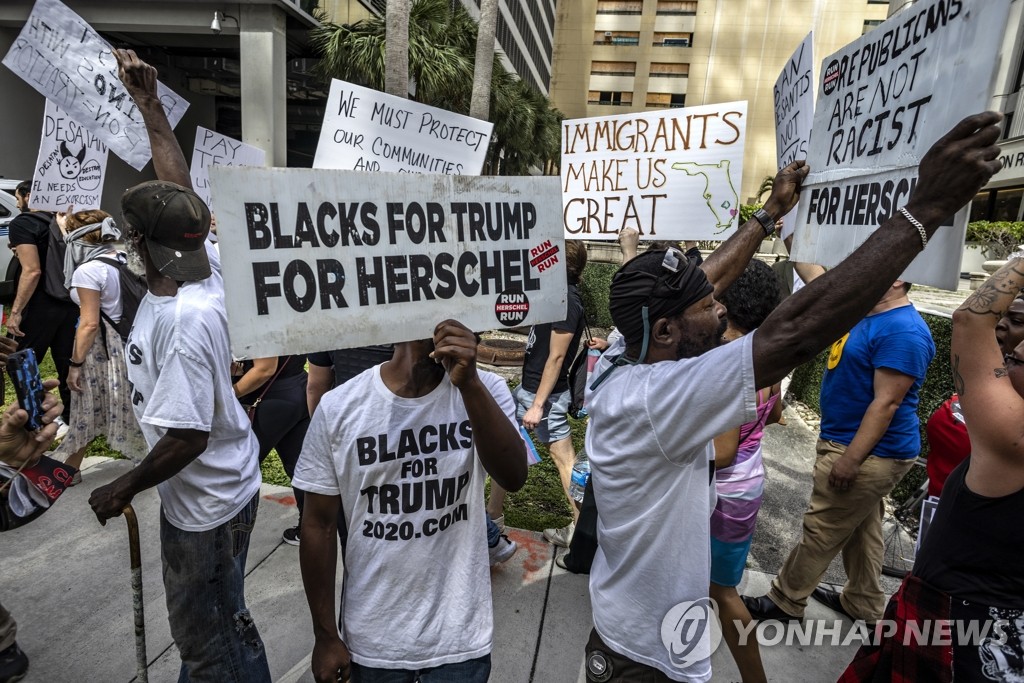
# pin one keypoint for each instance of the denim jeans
(204, 576)
(493, 532)
(470, 671)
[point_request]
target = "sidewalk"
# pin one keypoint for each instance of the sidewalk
(66, 581)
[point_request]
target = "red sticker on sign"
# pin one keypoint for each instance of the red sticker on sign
(544, 255)
(512, 307)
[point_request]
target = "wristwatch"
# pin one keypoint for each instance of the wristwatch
(766, 221)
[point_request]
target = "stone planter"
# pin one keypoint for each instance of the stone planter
(975, 254)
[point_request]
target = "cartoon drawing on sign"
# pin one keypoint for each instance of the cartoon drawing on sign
(723, 206)
(70, 164)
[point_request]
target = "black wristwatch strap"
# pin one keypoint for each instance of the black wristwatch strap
(766, 221)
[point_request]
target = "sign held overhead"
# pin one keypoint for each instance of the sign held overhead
(70, 167)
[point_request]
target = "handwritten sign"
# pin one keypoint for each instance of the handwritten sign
(367, 130)
(671, 175)
(213, 149)
(66, 61)
(312, 257)
(794, 112)
(70, 167)
(883, 100)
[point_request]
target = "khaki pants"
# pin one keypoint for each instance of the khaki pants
(835, 521)
(8, 629)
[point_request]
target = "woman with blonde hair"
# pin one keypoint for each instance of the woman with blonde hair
(98, 378)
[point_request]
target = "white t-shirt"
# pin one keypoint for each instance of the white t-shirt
(103, 278)
(651, 455)
(179, 364)
(417, 579)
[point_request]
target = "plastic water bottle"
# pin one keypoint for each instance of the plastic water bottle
(580, 478)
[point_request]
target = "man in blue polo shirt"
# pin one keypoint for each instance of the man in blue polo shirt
(870, 436)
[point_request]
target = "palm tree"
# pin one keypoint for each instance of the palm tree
(396, 56)
(442, 43)
(480, 101)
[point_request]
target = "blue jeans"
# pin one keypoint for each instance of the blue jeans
(493, 532)
(470, 671)
(204, 577)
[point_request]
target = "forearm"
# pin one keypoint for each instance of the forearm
(318, 560)
(314, 393)
(27, 284)
(986, 305)
(498, 443)
(827, 308)
(808, 272)
(548, 379)
(85, 336)
(873, 426)
(170, 456)
(168, 159)
(251, 381)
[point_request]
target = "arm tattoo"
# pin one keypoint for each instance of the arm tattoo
(958, 379)
(1000, 372)
(998, 289)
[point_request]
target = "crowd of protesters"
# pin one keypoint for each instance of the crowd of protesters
(700, 350)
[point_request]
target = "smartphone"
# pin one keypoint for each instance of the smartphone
(24, 373)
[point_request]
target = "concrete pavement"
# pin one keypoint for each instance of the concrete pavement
(66, 580)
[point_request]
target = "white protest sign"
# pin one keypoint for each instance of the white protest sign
(670, 174)
(63, 58)
(794, 112)
(884, 100)
(70, 167)
(367, 130)
(213, 149)
(322, 259)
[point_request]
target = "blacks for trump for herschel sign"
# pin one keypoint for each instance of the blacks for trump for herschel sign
(318, 259)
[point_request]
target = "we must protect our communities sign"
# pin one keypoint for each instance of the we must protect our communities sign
(313, 256)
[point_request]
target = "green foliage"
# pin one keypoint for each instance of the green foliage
(594, 288)
(747, 212)
(1002, 237)
(442, 51)
(937, 387)
(273, 470)
(766, 186)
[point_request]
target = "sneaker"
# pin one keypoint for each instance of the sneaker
(291, 536)
(560, 537)
(13, 664)
(502, 550)
(560, 561)
(499, 522)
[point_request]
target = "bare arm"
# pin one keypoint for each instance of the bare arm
(498, 443)
(88, 322)
(557, 349)
(890, 387)
(728, 261)
(139, 80)
(808, 272)
(318, 384)
(950, 175)
(171, 454)
(318, 562)
(992, 406)
(262, 369)
(31, 271)
(726, 447)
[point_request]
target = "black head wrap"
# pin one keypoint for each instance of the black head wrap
(666, 282)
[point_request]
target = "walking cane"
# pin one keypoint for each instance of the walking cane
(142, 672)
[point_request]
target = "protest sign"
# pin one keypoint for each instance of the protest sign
(883, 101)
(66, 61)
(325, 259)
(671, 175)
(70, 167)
(213, 149)
(367, 130)
(794, 112)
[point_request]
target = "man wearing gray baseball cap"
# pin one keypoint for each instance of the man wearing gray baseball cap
(203, 455)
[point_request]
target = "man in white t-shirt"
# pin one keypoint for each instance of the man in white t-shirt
(203, 456)
(668, 388)
(402, 451)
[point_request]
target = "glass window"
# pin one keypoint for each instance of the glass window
(678, 100)
(616, 37)
(870, 24)
(613, 68)
(979, 206)
(673, 39)
(684, 7)
(670, 70)
(612, 98)
(620, 6)
(1007, 204)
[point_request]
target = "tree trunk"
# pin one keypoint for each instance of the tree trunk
(480, 104)
(396, 54)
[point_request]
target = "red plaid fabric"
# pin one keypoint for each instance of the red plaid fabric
(901, 658)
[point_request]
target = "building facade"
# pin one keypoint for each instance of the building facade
(616, 56)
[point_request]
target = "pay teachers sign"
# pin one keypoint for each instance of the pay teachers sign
(337, 259)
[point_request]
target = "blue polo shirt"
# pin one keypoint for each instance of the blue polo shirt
(898, 339)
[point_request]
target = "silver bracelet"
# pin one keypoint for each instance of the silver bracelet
(917, 224)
